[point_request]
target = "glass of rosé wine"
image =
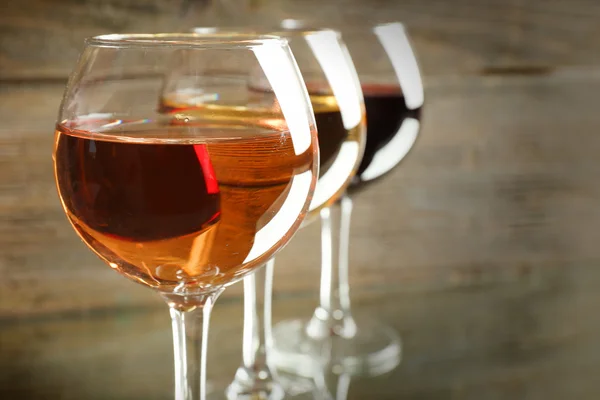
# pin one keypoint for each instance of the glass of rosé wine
(186, 201)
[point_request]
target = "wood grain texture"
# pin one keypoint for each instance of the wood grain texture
(41, 39)
(530, 339)
(501, 184)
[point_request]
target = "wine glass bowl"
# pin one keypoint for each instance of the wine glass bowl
(338, 106)
(156, 195)
(185, 200)
(393, 92)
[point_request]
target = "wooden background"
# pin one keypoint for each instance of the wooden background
(481, 249)
(499, 187)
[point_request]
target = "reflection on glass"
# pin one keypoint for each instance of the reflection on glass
(284, 218)
(394, 40)
(291, 98)
(342, 167)
(390, 154)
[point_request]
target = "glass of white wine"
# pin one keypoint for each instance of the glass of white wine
(339, 111)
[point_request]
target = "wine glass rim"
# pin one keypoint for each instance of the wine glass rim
(278, 32)
(224, 40)
(340, 27)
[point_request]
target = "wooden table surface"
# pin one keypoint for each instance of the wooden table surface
(535, 337)
(480, 249)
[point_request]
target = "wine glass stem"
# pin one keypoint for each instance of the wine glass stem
(342, 387)
(190, 318)
(255, 375)
(326, 379)
(333, 316)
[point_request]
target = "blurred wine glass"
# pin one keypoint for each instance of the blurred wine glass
(393, 93)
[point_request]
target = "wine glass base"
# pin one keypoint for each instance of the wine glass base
(238, 392)
(287, 387)
(374, 350)
(296, 387)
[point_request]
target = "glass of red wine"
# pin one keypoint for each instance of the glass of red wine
(393, 94)
(186, 200)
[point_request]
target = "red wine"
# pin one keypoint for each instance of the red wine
(387, 117)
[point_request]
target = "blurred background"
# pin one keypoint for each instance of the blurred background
(480, 248)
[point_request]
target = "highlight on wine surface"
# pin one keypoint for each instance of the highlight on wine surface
(336, 100)
(174, 196)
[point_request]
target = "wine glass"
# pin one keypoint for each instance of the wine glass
(339, 111)
(189, 201)
(393, 93)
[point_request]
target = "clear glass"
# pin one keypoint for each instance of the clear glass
(256, 378)
(339, 110)
(186, 199)
(393, 92)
